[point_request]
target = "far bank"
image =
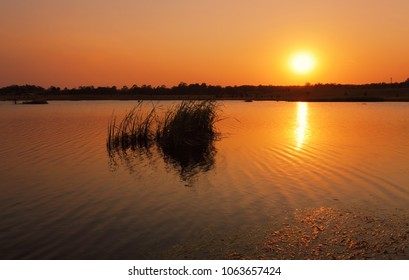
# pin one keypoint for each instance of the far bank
(315, 93)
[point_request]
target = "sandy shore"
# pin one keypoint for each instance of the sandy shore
(314, 233)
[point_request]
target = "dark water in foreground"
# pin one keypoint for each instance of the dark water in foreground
(62, 196)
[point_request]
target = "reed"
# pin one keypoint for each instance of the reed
(189, 124)
(134, 130)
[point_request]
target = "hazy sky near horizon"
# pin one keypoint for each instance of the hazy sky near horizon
(69, 43)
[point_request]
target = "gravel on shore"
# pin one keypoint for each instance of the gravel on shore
(310, 233)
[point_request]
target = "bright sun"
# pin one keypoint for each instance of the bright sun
(302, 63)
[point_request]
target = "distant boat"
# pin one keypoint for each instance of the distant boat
(248, 100)
(35, 102)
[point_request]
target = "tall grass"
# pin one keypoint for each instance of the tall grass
(189, 124)
(183, 135)
(134, 130)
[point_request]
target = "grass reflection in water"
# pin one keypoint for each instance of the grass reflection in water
(184, 136)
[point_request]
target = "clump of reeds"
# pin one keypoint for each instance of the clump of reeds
(135, 129)
(189, 124)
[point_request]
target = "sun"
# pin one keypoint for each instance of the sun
(302, 62)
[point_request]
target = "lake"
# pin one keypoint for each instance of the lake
(63, 196)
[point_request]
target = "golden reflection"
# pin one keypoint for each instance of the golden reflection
(302, 124)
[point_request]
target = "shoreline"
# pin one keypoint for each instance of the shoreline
(324, 233)
(290, 94)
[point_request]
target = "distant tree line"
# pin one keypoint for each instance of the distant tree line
(183, 89)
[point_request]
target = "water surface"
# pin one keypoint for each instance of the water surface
(63, 196)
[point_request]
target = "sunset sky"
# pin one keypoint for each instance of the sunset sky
(69, 43)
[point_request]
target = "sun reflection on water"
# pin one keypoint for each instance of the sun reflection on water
(302, 124)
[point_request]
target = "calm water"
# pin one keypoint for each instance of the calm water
(63, 196)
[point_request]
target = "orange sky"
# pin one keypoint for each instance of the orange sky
(230, 42)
